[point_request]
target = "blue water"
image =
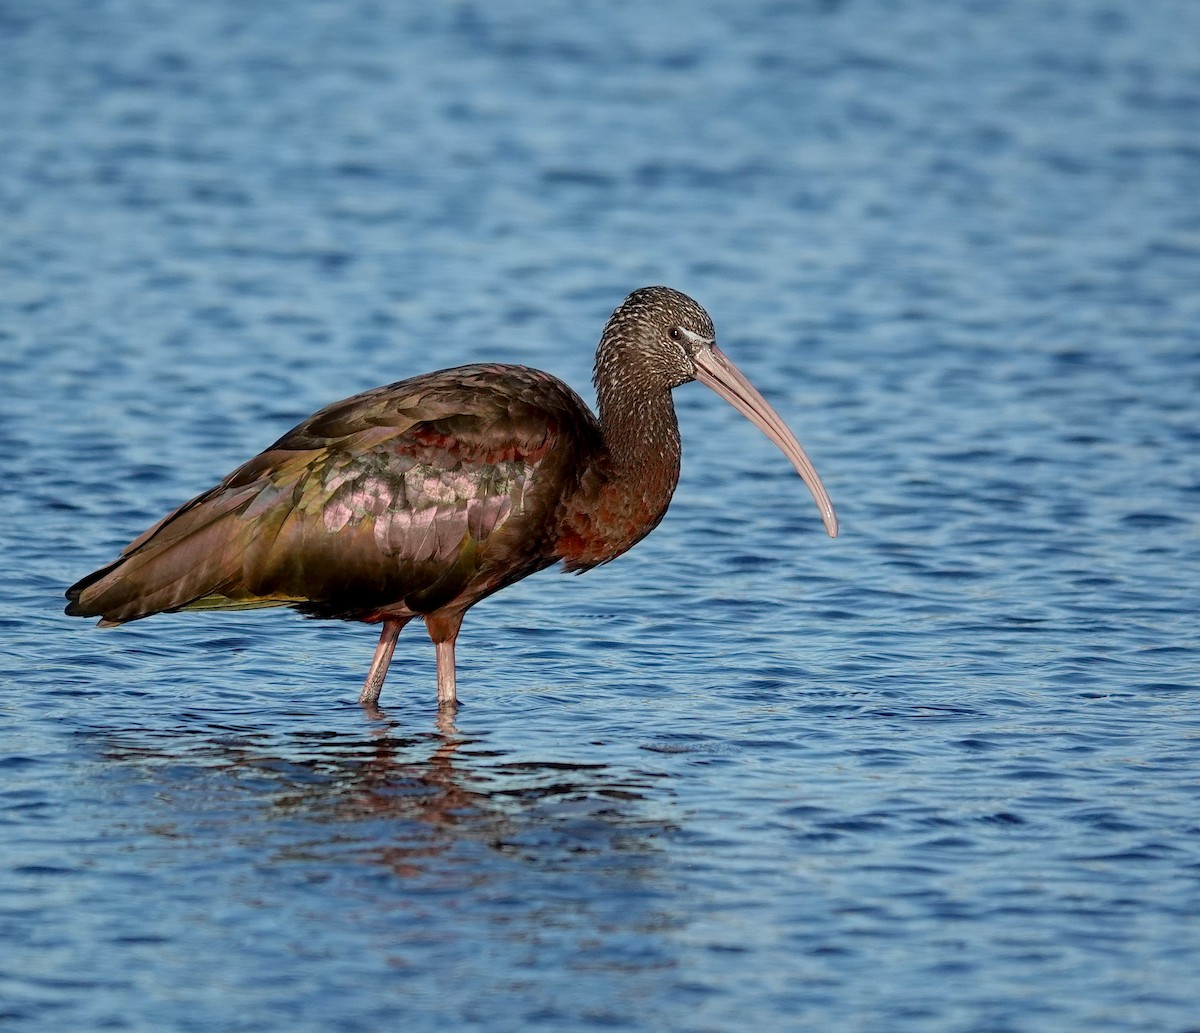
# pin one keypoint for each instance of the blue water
(940, 774)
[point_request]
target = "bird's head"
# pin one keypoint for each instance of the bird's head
(654, 335)
(660, 338)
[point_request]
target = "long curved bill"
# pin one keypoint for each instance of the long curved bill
(715, 371)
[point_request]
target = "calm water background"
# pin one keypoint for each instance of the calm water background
(937, 775)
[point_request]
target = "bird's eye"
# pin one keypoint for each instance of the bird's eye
(676, 333)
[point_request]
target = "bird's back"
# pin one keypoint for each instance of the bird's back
(432, 492)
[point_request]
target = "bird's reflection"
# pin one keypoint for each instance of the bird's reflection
(393, 780)
(395, 798)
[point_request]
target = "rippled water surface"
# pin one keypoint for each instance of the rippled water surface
(937, 775)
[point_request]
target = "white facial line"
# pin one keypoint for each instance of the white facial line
(695, 338)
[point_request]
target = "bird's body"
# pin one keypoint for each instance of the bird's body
(420, 498)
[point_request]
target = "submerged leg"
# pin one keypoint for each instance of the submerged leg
(443, 631)
(379, 665)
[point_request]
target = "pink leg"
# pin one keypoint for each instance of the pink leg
(379, 665)
(443, 631)
(447, 684)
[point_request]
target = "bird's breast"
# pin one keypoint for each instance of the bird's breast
(598, 529)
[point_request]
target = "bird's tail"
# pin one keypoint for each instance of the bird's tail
(192, 559)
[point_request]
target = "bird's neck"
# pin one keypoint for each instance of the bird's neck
(641, 434)
(625, 493)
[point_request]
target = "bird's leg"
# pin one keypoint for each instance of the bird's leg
(443, 631)
(446, 680)
(379, 665)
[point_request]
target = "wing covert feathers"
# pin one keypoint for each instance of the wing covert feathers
(405, 498)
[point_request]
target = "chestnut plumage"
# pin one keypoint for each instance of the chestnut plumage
(420, 498)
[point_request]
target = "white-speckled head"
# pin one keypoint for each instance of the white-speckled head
(659, 339)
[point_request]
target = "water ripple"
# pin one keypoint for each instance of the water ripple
(936, 775)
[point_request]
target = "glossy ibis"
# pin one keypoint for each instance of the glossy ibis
(421, 498)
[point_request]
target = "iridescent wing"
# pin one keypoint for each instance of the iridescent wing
(405, 497)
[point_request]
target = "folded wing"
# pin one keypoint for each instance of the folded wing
(403, 498)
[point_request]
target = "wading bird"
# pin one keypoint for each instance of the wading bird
(420, 498)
